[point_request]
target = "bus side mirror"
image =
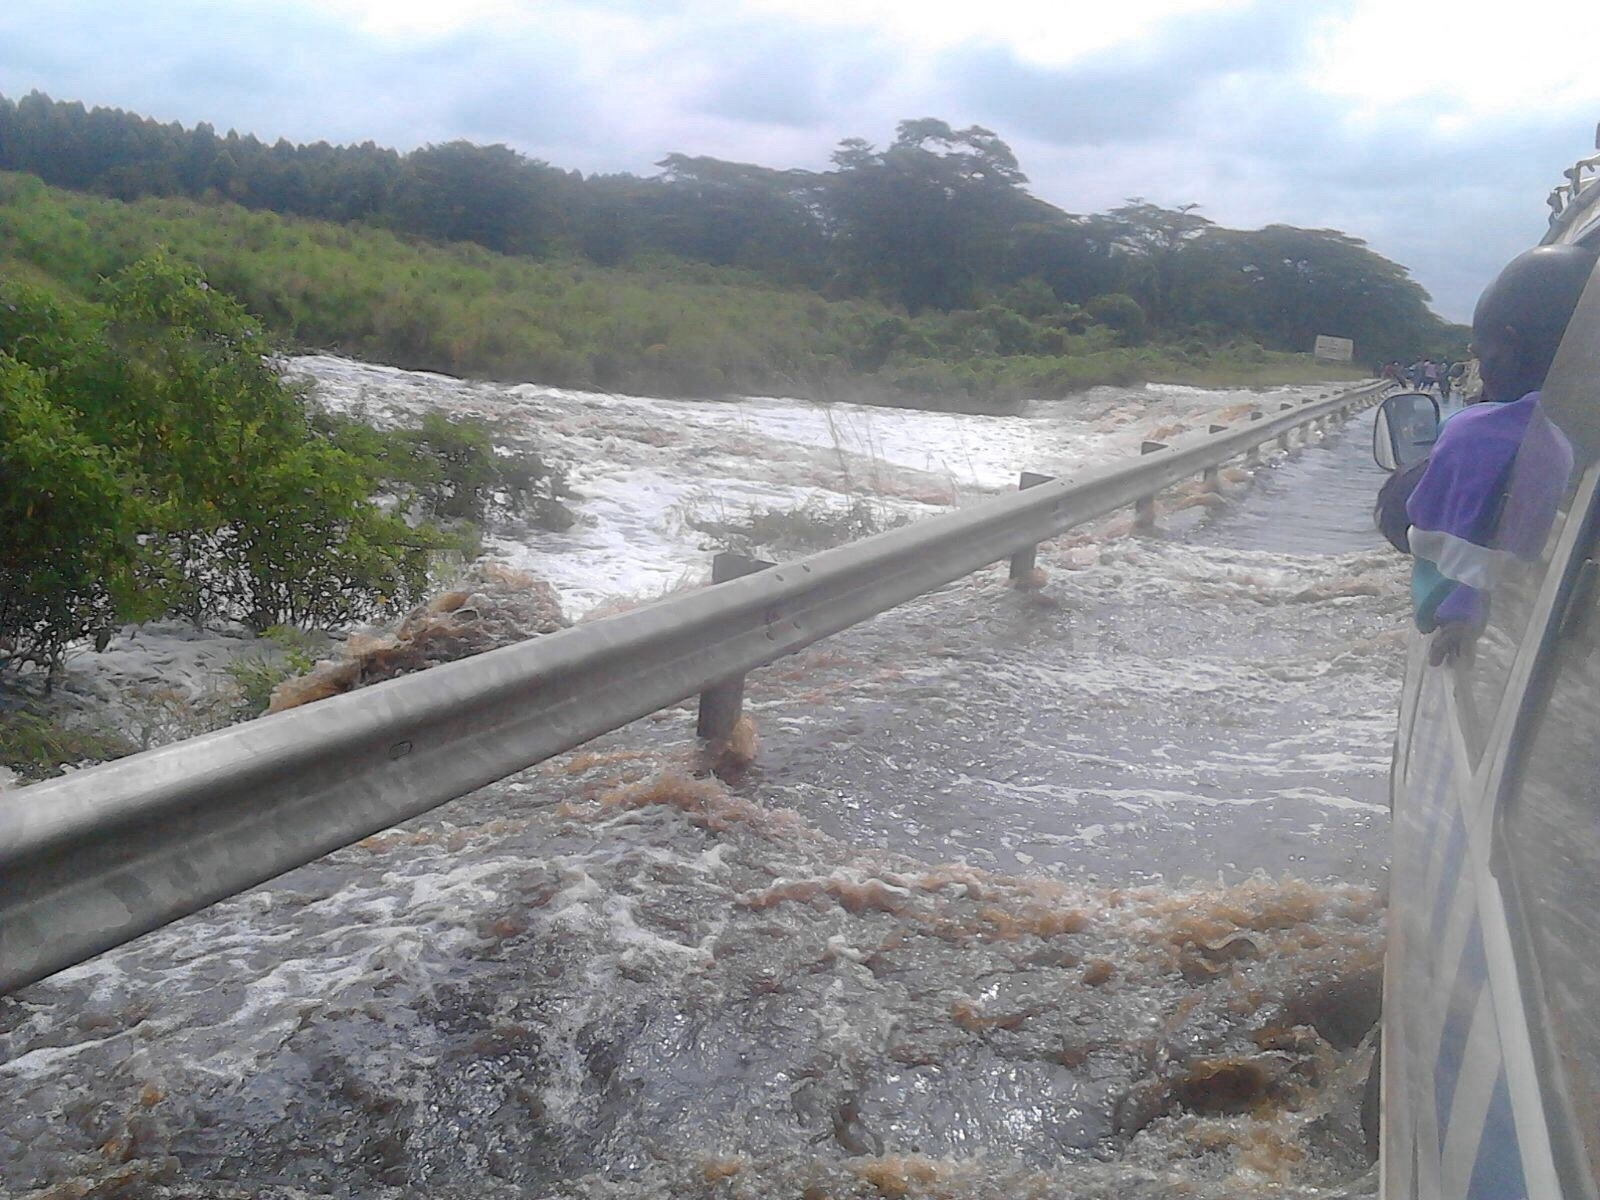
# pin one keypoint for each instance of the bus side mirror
(1405, 429)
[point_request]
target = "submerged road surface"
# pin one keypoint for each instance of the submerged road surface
(1064, 893)
(1205, 703)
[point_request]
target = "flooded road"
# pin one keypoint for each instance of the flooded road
(1063, 893)
(1206, 703)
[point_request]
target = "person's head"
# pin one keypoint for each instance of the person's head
(1521, 316)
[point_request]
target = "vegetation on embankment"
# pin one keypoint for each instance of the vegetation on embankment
(668, 327)
(939, 220)
(154, 463)
(923, 272)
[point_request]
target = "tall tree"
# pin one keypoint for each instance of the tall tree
(1152, 242)
(486, 194)
(1302, 282)
(738, 214)
(924, 224)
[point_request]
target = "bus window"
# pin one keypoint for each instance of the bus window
(1551, 828)
(1527, 527)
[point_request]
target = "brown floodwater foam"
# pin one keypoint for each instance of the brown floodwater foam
(665, 988)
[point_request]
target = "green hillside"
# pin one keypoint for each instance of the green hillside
(667, 327)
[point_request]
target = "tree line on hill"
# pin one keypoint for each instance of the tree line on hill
(940, 220)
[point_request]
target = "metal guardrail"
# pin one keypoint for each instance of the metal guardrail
(1580, 176)
(96, 858)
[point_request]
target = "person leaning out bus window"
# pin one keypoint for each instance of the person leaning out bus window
(1458, 506)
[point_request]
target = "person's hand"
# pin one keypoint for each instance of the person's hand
(1453, 641)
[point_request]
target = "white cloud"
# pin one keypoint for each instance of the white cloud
(1045, 33)
(405, 20)
(1473, 60)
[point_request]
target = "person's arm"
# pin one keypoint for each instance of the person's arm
(1458, 621)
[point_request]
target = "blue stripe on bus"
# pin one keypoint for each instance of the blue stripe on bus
(1455, 850)
(1472, 972)
(1497, 1173)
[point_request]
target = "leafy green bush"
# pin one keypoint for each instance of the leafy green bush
(254, 675)
(152, 461)
(1120, 312)
(70, 520)
(450, 469)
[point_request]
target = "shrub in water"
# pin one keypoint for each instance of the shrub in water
(152, 461)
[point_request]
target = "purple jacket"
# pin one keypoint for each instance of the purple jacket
(1490, 493)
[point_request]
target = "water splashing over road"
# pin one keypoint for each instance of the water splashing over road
(1064, 893)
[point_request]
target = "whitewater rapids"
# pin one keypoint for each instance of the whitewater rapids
(1065, 893)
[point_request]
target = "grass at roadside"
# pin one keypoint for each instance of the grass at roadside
(35, 746)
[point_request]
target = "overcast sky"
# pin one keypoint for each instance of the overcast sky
(1430, 129)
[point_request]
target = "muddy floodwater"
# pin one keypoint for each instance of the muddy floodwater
(1074, 892)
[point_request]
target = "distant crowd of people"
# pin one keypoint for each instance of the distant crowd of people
(1444, 377)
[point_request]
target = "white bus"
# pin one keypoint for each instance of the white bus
(1490, 1065)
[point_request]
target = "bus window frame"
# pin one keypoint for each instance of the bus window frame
(1548, 628)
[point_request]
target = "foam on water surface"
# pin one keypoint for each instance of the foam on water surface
(611, 1015)
(641, 466)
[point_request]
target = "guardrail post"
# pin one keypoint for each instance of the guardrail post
(1286, 438)
(1144, 510)
(722, 703)
(1024, 560)
(1211, 477)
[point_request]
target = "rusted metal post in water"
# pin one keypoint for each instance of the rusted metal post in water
(722, 703)
(1024, 560)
